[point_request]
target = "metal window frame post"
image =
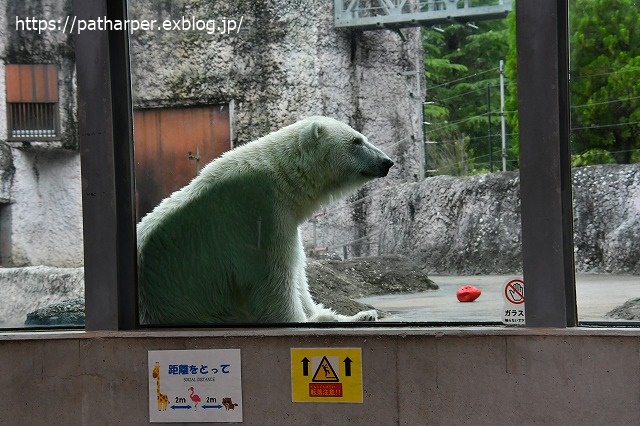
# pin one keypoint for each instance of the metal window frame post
(106, 151)
(545, 163)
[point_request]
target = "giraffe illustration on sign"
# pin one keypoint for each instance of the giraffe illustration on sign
(163, 400)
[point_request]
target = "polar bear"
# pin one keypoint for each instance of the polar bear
(226, 248)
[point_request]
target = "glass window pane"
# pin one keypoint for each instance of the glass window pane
(41, 250)
(213, 77)
(605, 93)
(461, 224)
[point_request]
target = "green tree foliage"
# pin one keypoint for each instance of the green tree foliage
(605, 78)
(604, 83)
(511, 71)
(461, 64)
(592, 156)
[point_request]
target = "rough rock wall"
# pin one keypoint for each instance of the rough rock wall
(26, 289)
(286, 62)
(455, 225)
(45, 210)
(472, 225)
(40, 207)
(607, 218)
(7, 170)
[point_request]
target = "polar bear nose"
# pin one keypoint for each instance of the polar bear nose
(382, 169)
(387, 163)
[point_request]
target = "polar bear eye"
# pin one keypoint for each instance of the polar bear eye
(357, 141)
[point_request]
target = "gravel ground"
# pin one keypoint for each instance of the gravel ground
(337, 283)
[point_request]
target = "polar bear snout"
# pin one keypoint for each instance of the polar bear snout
(379, 168)
(387, 163)
(383, 162)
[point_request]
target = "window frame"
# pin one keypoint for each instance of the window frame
(105, 123)
(542, 41)
(106, 146)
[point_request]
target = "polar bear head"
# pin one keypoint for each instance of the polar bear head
(347, 153)
(338, 158)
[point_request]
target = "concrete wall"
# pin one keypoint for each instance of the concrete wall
(42, 47)
(41, 211)
(411, 376)
(286, 62)
(41, 207)
(45, 210)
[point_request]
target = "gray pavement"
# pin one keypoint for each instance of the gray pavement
(596, 294)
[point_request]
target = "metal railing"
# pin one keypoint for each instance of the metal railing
(32, 121)
(378, 14)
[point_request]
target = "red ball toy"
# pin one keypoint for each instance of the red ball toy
(468, 293)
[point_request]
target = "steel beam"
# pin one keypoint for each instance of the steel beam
(545, 166)
(105, 133)
(381, 14)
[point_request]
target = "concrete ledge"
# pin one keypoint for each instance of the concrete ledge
(411, 375)
(322, 332)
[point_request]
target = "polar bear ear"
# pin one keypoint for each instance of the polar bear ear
(316, 130)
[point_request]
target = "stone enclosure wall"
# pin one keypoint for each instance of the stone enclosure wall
(471, 225)
(286, 62)
(40, 189)
(446, 225)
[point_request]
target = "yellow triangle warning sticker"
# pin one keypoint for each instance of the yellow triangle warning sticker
(325, 372)
(324, 375)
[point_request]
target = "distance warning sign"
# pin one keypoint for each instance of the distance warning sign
(513, 310)
(326, 375)
(195, 386)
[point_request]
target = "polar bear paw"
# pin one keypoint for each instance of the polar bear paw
(327, 314)
(371, 315)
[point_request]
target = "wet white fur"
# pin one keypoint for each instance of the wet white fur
(226, 247)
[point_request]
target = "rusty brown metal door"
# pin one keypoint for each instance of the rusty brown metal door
(31, 82)
(171, 145)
